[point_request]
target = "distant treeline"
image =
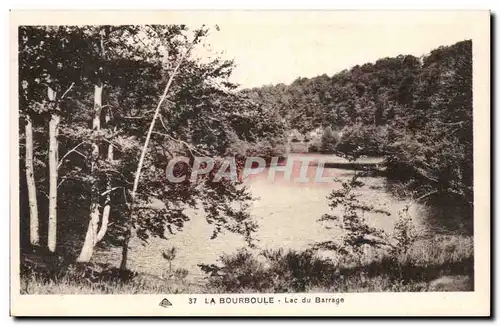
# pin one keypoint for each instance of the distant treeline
(417, 112)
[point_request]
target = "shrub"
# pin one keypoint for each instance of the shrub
(362, 139)
(181, 273)
(404, 233)
(328, 141)
(237, 272)
(268, 271)
(169, 255)
(314, 147)
(357, 233)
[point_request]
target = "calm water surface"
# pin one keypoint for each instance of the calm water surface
(287, 214)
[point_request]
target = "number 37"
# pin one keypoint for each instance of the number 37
(192, 300)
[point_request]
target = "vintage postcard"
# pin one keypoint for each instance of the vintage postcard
(250, 163)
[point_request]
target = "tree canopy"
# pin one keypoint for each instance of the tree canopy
(130, 65)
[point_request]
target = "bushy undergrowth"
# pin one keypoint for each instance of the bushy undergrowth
(421, 268)
(280, 271)
(268, 271)
(51, 274)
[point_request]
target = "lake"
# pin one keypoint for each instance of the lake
(287, 214)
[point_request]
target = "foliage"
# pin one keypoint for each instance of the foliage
(426, 263)
(271, 271)
(405, 233)
(360, 139)
(328, 140)
(357, 234)
(203, 117)
(433, 146)
(314, 147)
(417, 112)
(366, 94)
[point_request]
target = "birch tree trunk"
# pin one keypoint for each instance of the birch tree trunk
(53, 162)
(129, 223)
(30, 180)
(109, 188)
(91, 235)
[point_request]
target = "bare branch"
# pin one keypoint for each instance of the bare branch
(110, 190)
(233, 94)
(450, 123)
(426, 195)
(125, 196)
(66, 92)
(140, 117)
(162, 123)
(60, 183)
(430, 193)
(43, 192)
(74, 149)
(81, 154)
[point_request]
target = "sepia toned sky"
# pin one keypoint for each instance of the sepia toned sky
(274, 51)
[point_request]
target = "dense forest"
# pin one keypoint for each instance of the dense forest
(415, 112)
(103, 109)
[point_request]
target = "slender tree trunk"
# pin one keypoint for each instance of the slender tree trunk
(125, 248)
(30, 180)
(91, 235)
(53, 162)
(129, 223)
(107, 205)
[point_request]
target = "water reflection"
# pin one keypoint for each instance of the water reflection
(440, 214)
(281, 192)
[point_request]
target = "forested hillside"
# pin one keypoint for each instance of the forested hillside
(417, 112)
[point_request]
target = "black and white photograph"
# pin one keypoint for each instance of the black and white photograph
(248, 156)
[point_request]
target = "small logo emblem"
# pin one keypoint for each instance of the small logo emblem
(165, 303)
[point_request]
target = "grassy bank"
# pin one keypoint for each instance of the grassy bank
(145, 284)
(444, 263)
